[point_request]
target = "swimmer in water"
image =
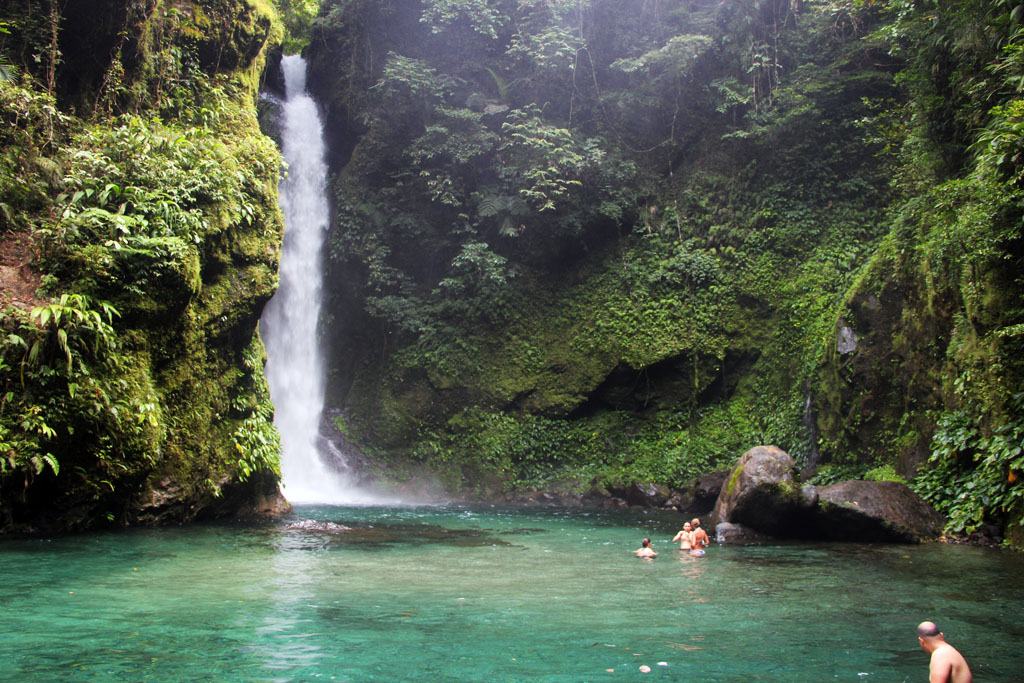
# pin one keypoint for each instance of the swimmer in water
(700, 539)
(685, 537)
(645, 549)
(947, 664)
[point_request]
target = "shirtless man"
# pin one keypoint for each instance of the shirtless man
(700, 538)
(645, 549)
(685, 537)
(947, 665)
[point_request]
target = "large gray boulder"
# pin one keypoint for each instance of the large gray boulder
(884, 511)
(762, 494)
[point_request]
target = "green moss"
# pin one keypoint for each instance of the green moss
(1015, 529)
(734, 479)
(173, 222)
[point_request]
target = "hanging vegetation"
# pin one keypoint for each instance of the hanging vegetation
(638, 230)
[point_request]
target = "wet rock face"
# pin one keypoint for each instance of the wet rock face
(846, 340)
(647, 495)
(761, 492)
(708, 488)
(737, 534)
(885, 511)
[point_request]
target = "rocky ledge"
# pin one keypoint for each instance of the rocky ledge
(762, 498)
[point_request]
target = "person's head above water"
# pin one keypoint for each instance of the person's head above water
(695, 522)
(946, 664)
(646, 543)
(930, 637)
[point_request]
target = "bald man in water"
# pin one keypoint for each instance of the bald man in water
(947, 665)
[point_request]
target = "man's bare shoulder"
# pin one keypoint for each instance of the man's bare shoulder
(947, 664)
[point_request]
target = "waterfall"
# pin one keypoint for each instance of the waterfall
(295, 367)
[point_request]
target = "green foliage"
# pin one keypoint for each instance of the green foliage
(676, 57)
(407, 76)
(528, 451)
(973, 477)
(551, 51)
(667, 299)
(8, 72)
(543, 159)
(617, 242)
(884, 473)
(138, 199)
(297, 17)
(31, 128)
(60, 371)
(74, 325)
(508, 208)
(955, 242)
(458, 137)
(832, 473)
(256, 438)
(442, 15)
(154, 233)
(478, 275)
(445, 151)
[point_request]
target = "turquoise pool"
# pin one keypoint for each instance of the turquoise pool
(491, 594)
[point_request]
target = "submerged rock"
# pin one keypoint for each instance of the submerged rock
(315, 525)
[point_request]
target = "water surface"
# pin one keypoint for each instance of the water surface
(490, 594)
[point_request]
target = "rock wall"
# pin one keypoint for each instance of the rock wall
(156, 227)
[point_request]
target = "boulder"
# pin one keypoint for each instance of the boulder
(884, 511)
(737, 534)
(647, 495)
(707, 489)
(762, 493)
(258, 497)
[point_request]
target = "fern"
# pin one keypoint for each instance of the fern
(490, 206)
(500, 84)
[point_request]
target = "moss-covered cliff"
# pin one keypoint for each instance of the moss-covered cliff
(618, 241)
(140, 234)
(928, 373)
(613, 227)
(577, 244)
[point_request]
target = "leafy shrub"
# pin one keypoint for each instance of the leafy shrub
(973, 477)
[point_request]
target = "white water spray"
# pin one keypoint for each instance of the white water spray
(295, 368)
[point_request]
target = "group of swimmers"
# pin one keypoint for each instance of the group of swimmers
(691, 537)
(947, 665)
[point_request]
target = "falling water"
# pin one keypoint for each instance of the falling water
(295, 368)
